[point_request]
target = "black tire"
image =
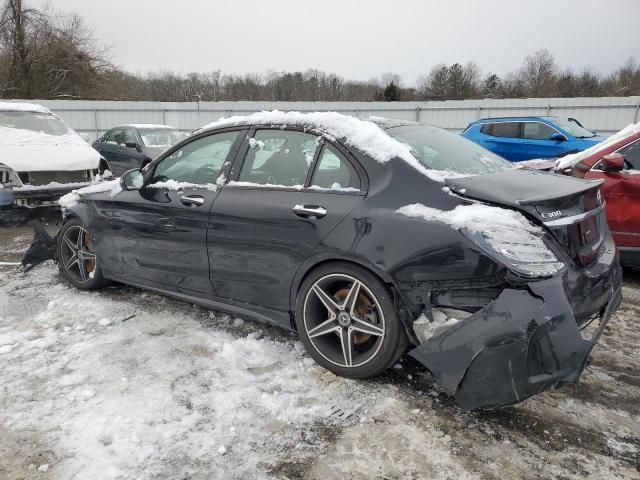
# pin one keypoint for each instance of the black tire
(80, 271)
(372, 353)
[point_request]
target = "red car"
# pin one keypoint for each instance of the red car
(616, 161)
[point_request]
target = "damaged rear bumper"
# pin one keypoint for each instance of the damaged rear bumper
(523, 342)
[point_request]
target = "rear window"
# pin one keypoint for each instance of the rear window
(486, 128)
(35, 122)
(438, 149)
(505, 129)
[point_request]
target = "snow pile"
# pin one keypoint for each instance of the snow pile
(23, 107)
(140, 386)
(19, 136)
(425, 328)
(475, 218)
(360, 134)
(569, 161)
(50, 186)
(174, 185)
(263, 185)
(538, 164)
(73, 197)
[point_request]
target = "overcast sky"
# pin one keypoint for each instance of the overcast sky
(359, 39)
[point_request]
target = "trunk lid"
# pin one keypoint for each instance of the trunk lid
(570, 209)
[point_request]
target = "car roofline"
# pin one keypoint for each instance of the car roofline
(522, 118)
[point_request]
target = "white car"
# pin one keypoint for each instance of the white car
(41, 157)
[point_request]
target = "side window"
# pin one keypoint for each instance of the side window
(632, 154)
(198, 162)
(114, 136)
(486, 128)
(333, 172)
(537, 131)
(505, 129)
(130, 136)
(279, 157)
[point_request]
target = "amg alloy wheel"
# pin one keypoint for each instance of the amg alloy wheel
(346, 321)
(77, 260)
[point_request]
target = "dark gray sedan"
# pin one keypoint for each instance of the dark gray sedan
(133, 146)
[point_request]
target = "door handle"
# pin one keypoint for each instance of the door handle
(309, 211)
(192, 200)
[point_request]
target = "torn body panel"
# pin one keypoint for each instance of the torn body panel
(520, 344)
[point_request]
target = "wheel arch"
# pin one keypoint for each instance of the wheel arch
(312, 264)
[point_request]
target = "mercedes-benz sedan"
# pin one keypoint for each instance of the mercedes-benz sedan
(368, 238)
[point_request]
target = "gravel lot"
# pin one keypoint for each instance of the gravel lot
(127, 384)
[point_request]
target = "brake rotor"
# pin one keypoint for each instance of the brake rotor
(363, 307)
(90, 265)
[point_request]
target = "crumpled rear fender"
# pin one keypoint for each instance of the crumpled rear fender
(522, 343)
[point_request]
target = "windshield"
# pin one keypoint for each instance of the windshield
(438, 149)
(36, 122)
(573, 129)
(161, 137)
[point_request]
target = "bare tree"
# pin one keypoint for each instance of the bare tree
(538, 73)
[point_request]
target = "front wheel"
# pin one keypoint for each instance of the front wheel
(77, 260)
(347, 322)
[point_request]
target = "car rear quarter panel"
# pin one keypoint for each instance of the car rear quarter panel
(399, 249)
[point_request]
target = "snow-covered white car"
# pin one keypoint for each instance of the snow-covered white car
(41, 157)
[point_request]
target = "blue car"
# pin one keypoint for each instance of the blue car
(526, 138)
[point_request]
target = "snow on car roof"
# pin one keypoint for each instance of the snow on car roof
(570, 160)
(23, 107)
(363, 135)
(150, 125)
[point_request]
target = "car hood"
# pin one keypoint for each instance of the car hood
(49, 157)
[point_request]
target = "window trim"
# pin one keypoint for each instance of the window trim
(316, 163)
(344, 153)
(493, 124)
(521, 130)
(597, 166)
(226, 165)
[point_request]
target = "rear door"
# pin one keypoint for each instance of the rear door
(504, 139)
(621, 192)
(288, 190)
(158, 234)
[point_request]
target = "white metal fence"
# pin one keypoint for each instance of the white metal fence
(603, 114)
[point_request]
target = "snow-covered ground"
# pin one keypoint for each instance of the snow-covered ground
(127, 384)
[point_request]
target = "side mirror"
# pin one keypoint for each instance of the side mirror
(132, 180)
(557, 137)
(613, 162)
(131, 145)
(85, 137)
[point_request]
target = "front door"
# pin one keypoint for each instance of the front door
(159, 233)
(290, 190)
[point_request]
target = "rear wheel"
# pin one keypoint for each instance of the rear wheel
(346, 321)
(77, 260)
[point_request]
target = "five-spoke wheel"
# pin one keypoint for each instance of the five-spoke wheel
(76, 255)
(346, 320)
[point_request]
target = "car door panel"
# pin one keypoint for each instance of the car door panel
(257, 242)
(153, 236)
(159, 233)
